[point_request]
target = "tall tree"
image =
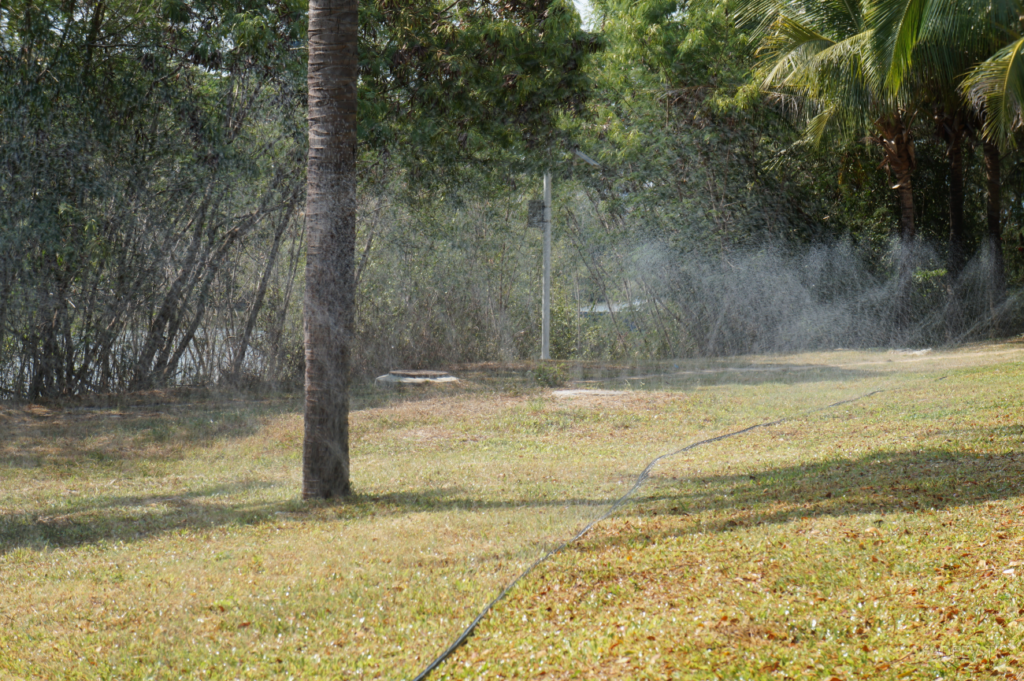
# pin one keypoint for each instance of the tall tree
(820, 53)
(441, 81)
(330, 237)
(933, 44)
(996, 88)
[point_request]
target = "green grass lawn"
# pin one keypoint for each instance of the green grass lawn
(161, 536)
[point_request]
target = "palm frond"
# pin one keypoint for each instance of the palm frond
(996, 86)
(817, 127)
(837, 17)
(759, 14)
(935, 42)
(834, 124)
(821, 52)
(789, 45)
(897, 28)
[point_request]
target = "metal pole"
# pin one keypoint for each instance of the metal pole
(545, 343)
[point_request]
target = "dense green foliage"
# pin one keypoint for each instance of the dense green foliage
(142, 156)
(152, 166)
(453, 83)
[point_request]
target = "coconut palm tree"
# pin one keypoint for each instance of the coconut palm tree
(914, 52)
(817, 54)
(330, 237)
(956, 51)
(996, 87)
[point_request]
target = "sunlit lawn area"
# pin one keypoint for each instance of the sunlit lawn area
(161, 536)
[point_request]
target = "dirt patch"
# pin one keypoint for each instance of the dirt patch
(428, 434)
(569, 394)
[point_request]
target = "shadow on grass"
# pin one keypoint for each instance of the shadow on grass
(878, 483)
(132, 518)
(679, 374)
(725, 372)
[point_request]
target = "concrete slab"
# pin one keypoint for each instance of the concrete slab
(413, 377)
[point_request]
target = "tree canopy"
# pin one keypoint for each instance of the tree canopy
(152, 177)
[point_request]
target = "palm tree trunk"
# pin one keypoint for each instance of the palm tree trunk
(330, 243)
(952, 130)
(957, 254)
(907, 228)
(897, 144)
(997, 277)
(905, 265)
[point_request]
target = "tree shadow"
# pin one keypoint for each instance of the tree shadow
(876, 484)
(682, 373)
(132, 518)
(447, 499)
(726, 371)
